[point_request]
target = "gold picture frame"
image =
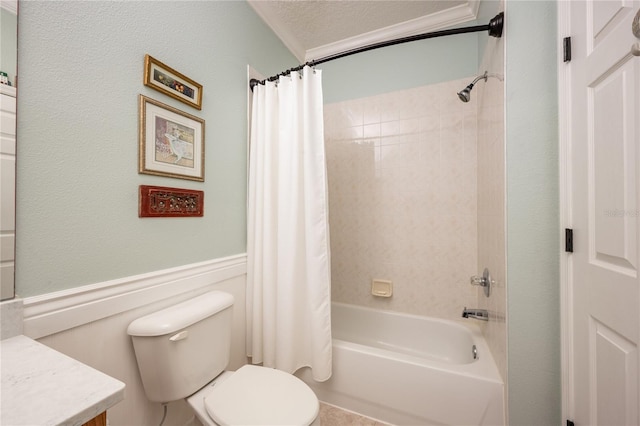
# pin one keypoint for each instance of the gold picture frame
(165, 79)
(171, 142)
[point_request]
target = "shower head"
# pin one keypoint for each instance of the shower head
(465, 94)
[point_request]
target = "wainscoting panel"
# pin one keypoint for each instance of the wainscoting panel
(54, 312)
(90, 325)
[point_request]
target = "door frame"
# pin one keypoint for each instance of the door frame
(565, 211)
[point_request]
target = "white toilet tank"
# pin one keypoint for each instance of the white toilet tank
(181, 348)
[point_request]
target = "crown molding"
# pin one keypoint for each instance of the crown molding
(446, 18)
(9, 6)
(276, 25)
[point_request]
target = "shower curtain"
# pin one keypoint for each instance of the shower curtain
(288, 260)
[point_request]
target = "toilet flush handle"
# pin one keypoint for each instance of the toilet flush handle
(179, 336)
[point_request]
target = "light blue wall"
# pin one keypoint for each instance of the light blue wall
(81, 70)
(532, 214)
(8, 42)
(487, 10)
(400, 67)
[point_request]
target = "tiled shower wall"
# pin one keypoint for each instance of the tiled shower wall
(491, 200)
(403, 199)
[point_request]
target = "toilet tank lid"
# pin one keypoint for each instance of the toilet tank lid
(177, 317)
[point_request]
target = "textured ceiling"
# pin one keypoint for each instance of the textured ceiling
(316, 23)
(304, 25)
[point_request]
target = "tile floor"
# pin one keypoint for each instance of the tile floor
(334, 416)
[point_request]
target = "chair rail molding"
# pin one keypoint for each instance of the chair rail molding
(58, 311)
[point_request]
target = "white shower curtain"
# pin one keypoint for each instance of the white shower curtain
(288, 261)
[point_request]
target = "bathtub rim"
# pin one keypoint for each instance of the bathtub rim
(483, 368)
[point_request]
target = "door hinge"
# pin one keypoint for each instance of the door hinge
(570, 423)
(566, 48)
(568, 240)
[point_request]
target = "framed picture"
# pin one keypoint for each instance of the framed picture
(171, 142)
(170, 82)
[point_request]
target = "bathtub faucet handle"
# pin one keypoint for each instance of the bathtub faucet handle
(484, 281)
(476, 280)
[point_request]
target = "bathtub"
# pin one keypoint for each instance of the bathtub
(410, 370)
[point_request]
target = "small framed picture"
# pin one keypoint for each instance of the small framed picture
(165, 79)
(171, 142)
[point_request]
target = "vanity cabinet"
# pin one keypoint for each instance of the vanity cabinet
(41, 386)
(99, 420)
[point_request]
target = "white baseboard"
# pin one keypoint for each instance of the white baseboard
(54, 312)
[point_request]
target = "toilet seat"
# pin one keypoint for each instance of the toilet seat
(256, 395)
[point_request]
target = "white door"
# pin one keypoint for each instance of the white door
(604, 212)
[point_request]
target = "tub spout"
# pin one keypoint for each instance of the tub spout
(479, 314)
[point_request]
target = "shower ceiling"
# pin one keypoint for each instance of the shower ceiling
(316, 28)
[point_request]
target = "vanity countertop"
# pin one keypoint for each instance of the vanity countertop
(41, 386)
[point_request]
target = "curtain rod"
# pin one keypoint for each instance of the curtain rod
(494, 27)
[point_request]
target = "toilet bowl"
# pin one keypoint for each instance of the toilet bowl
(182, 353)
(255, 396)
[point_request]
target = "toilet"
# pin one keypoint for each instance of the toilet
(182, 353)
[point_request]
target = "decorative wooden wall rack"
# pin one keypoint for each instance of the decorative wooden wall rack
(160, 201)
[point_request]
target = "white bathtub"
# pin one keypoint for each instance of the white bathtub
(410, 370)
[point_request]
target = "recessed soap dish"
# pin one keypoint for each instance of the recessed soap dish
(381, 288)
